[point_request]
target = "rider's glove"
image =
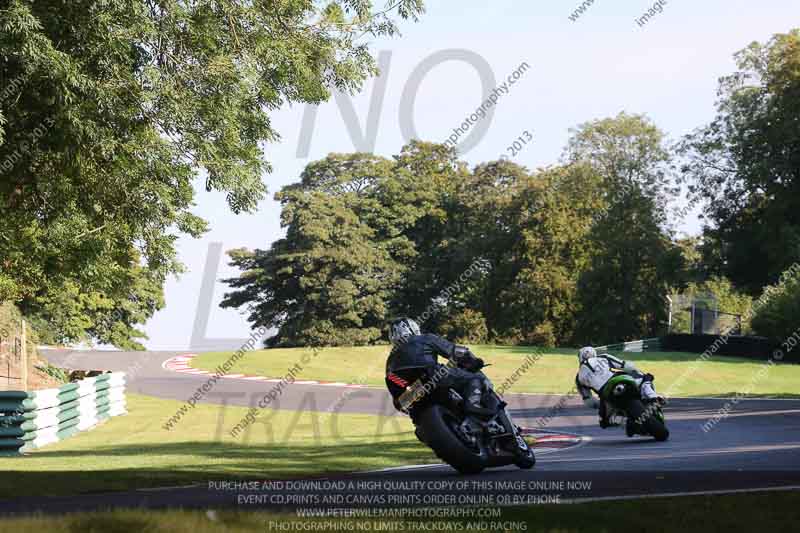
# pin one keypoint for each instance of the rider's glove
(399, 406)
(462, 353)
(473, 364)
(591, 403)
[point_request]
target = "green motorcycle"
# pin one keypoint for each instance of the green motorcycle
(624, 398)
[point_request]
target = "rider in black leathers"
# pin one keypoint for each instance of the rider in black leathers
(414, 350)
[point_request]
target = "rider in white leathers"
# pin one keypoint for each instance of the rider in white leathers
(596, 370)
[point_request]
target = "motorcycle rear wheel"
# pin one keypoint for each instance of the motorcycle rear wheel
(652, 425)
(439, 425)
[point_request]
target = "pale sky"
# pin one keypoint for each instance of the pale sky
(595, 67)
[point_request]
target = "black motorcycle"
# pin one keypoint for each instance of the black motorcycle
(468, 442)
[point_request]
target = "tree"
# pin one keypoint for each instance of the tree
(745, 166)
(536, 267)
(623, 292)
(778, 316)
(329, 280)
(465, 326)
(325, 283)
(630, 154)
(499, 253)
(421, 204)
(110, 112)
(692, 248)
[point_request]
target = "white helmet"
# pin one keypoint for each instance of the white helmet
(586, 353)
(401, 329)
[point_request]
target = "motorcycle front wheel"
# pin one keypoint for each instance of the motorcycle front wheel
(440, 426)
(526, 462)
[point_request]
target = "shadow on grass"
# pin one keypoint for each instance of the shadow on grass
(776, 511)
(740, 396)
(674, 357)
(521, 350)
(770, 511)
(683, 357)
(198, 462)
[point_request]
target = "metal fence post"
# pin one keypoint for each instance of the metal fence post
(24, 367)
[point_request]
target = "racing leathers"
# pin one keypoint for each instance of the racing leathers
(422, 351)
(594, 373)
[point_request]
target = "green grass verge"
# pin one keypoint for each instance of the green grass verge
(777, 511)
(554, 372)
(135, 451)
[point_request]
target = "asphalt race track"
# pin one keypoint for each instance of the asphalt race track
(756, 447)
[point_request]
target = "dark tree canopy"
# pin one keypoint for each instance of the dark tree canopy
(622, 293)
(111, 111)
(745, 166)
(498, 253)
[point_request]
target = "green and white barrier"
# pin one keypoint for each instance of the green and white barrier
(644, 345)
(30, 420)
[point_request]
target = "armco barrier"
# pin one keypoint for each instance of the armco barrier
(749, 347)
(644, 345)
(30, 420)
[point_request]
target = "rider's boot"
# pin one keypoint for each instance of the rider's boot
(418, 433)
(649, 393)
(515, 443)
(473, 404)
(605, 422)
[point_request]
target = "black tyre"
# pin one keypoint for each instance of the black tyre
(440, 428)
(651, 423)
(527, 462)
(657, 429)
